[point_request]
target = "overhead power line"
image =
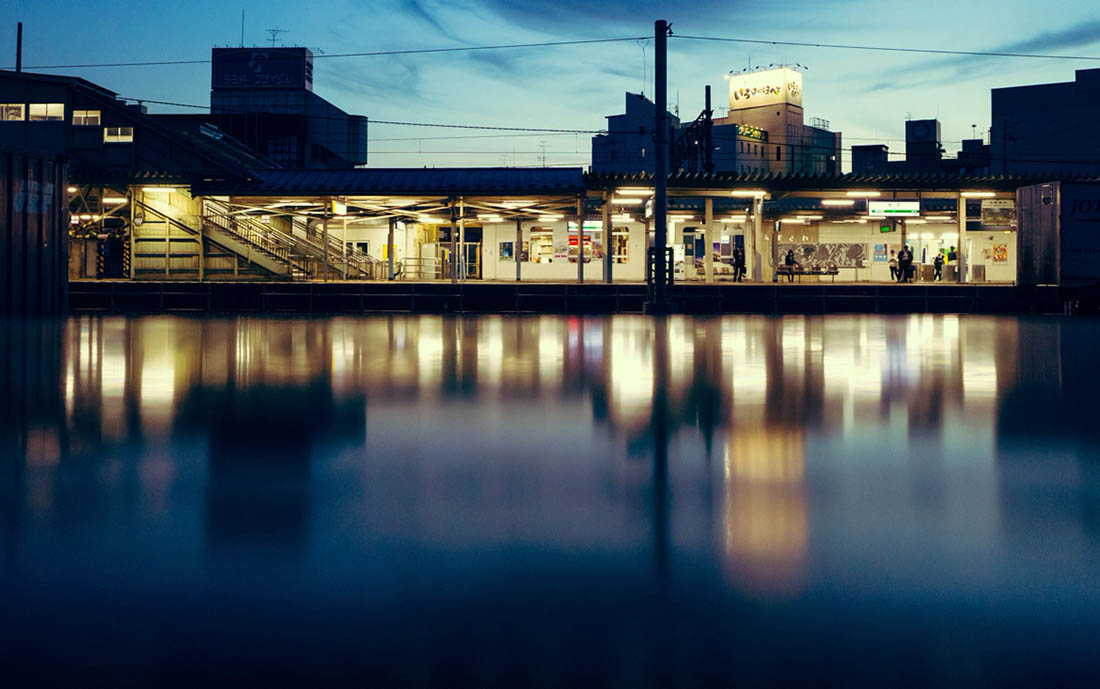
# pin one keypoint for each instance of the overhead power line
(373, 53)
(373, 121)
(887, 49)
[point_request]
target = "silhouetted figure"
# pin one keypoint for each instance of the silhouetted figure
(893, 263)
(937, 263)
(738, 264)
(790, 262)
(952, 255)
(905, 264)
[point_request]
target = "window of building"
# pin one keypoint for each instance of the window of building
(756, 149)
(11, 112)
(47, 112)
(86, 117)
(542, 245)
(118, 135)
(742, 146)
(779, 153)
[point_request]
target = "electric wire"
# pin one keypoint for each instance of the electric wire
(888, 49)
(373, 53)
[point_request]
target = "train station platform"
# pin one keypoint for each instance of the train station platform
(125, 296)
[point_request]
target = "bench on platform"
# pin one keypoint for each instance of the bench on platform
(799, 271)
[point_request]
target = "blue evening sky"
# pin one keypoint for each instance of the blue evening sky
(865, 95)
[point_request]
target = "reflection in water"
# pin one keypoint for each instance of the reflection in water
(441, 460)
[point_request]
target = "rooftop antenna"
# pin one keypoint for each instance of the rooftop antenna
(275, 34)
(642, 44)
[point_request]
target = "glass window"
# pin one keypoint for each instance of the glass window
(542, 245)
(778, 153)
(11, 112)
(86, 117)
(118, 135)
(43, 112)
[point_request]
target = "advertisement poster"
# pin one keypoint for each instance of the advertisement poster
(505, 251)
(1000, 253)
(880, 253)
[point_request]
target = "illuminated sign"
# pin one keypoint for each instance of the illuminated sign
(886, 228)
(766, 87)
(893, 209)
(998, 212)
(750, 132)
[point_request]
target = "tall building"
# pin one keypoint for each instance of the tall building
(627, 145)
(924, 154)
(764, 133)
(1047, 128)
(770, 100)
(264, 98)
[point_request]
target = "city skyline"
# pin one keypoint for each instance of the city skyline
(577, 86)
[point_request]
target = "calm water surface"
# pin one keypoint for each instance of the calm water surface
(850, 500)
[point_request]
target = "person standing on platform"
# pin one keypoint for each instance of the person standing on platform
(893, 263)
(790, 262)
(937, 263)
(738, 264)
(901, 264)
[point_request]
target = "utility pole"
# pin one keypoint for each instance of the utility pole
(658, 263)
(19, 47)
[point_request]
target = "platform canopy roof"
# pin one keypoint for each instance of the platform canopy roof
(470, 181)
(678, 182)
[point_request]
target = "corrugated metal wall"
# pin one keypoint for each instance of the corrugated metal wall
(33, 236)
(1037, 234)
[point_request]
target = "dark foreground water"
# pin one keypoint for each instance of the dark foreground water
(741, 501)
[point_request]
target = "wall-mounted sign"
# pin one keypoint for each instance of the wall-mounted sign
(999, 212)
(893, 209)
(885, 228)
(766, 87)
(750, 132)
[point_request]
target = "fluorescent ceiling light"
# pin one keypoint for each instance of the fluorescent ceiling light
(864, 193)
(915, 221)
(838, 202)
(978, 194)
(749, 193)
(550, 218)
(937, 218)
(114, 199)
(811, 217)
(627, 202)
(631, 191)
(157, 190)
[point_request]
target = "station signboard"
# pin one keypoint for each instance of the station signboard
(893, 209)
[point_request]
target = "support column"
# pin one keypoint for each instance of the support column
(708, 235)
(389, 248)
(580, 240)
(517, 251)
(454, 245)
(755, 269)
(132, 226)
(608, 241)
(960, 217)
(324, 240)
(344, 244)
(462, 239)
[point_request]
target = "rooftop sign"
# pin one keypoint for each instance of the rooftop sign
(261, 68)
(767, 87)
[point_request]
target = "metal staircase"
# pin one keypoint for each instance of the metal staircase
(301, 258)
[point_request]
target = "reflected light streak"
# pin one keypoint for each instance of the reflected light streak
(765, 520)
